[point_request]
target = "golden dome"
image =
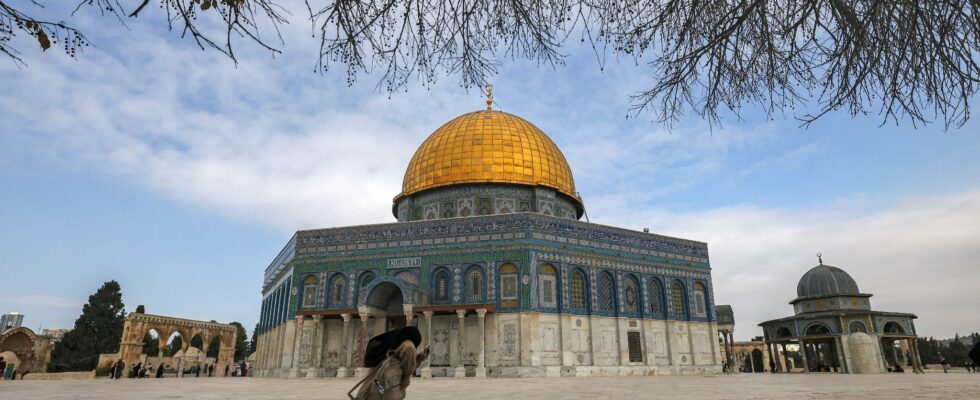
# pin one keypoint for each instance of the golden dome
(488, 147)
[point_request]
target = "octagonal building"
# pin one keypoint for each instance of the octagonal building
(489, 259)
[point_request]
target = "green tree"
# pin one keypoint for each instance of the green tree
(97, 331)
(241, 342)
(151, 345)
(254, 342)
(140, 309)
(174, 346)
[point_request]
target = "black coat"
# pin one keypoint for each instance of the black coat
(379, 346)
(975, 354)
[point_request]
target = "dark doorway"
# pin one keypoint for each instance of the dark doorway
(757, 364)
(393, 310)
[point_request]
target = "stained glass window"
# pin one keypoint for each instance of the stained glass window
(442, 286)
(508, 285)
(607, 299)
(656, 297)
(699, 297)
(677, 297)
(474, 283)
(337, 291)
(548, 276)
(309, 291)
(631, 297)
(577, 287)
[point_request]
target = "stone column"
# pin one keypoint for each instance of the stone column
(914, 354)
(481, 369)
(427, 369)
(161, 347)
(184, 345)
(315, 349)
(884, 360)
(345, 349)
(460, 371)
(840, 354)
(297, 344)
(806, 364)
(409, 314)
(775, 361)
(361, 371)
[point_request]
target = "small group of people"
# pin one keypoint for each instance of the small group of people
(196, 370)
(137, 371)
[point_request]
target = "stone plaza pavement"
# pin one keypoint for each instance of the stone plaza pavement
(741, 386)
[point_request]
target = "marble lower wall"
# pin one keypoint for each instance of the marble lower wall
(516, 344)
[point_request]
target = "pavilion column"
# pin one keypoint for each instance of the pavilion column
(345, 350)
(884, 356)
(840, 354)
(460, 371)
(426, 371)
(786, 367)
(914, 353)
(806, 364)
(481, 369)
(362, 348)
(775, 361)
(300, 321)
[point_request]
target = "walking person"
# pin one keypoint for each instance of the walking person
(160, 371)
(118, 370)
(975, 355)
(3, 369)
(392, 357)
(944, 363)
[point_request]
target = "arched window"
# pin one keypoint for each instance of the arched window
(700, 296)
(309, 291)
(440, 286)
(677, 298)
(337, 290)
(508, 285)
(632, 300)
(606, 292)
(474, 284)
(366, 279)
(857, 326)
(547, 279)
(576, 285)
(656, 297)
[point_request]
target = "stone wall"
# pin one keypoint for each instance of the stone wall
(60, 376)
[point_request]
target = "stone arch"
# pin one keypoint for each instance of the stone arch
(214, 347)
(893, 327)
(168, 329)
(408, 276)
(857, 326)
(816, 328)
(548, 286)
(19, 343)
(783, 332)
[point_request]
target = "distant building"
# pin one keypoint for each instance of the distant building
(55, 334)
(11, 320)
(836, 329)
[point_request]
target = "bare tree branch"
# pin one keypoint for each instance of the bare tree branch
(904, 59)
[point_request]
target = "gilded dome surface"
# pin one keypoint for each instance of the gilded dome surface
(488, 147)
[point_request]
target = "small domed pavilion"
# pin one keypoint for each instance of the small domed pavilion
(837, 331)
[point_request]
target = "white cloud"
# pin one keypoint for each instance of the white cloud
(42, 301)
(918, 255)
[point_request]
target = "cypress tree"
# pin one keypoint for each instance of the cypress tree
(98, 330)
(241, 342)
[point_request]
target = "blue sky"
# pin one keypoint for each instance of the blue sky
(181, 175)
